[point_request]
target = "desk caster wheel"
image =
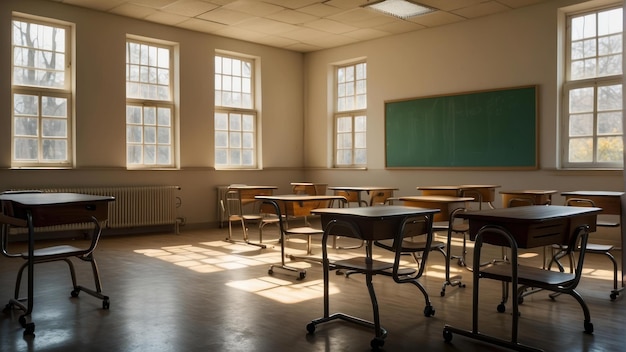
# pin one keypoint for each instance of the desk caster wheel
(520, 300)
(310, 327)
(613, 296)
(29, 329)
(377, 343)
(7, 308)
(429, 311)
(302, 276)
(74, 293)
(270, 271)
(501, 308)
(588, 327)
(106, 304)
(442, 293)
(447, 335)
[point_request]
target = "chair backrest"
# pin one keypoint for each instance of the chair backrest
(232, 203)
(380, 197)
(351, 197)
(520, 202)
(580, 202)
(311, 189)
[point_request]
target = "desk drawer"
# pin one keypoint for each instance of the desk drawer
(73, 213)
(527, 235)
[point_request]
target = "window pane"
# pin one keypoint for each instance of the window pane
(26, 127)
(581, 100)
(53, 107)
(54, 128)
(54, 149)
(610, 149)
(581, 125)
(581, 150)
(610, 123)
(26, 149)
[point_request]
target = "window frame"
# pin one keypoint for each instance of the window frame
(353, 114)
(229, 150)
(145, 103)
(64, 92)
(570, 84)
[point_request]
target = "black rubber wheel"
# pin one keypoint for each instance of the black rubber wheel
(302, 276)
(377, 343)
(520, 300)
(270, 272)
(447, 335)
(29, 329)
(613, 296)
(429, 311)
(22, 321)
(501, 308)
(106, 304)
(442, 293)
(462, 285)
(74, 293)
(588, 327)
(310, 327)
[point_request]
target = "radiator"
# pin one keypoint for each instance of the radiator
(134, 206)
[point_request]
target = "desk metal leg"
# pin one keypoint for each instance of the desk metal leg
(381, 333)
(283, 239)
(16, 301)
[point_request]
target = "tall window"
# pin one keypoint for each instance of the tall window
(149, 105)
(235, 115)
(42, 97)
(350, 117)
(593, 91)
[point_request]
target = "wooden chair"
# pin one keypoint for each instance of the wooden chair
(351, 197)
(381, 197)
(560, 251)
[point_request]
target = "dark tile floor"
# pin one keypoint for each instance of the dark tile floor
(195, 292)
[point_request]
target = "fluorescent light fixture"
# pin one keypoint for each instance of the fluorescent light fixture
(400, 8)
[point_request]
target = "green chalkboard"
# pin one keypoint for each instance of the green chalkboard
(494, 129)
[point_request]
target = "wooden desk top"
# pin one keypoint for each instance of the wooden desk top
(529, 213)
(435, 199)
(249, 187)
(298, 197)
(534, 225)
(373, 223)
(457, 187)
(49, 209)
(44, 199)
(593, 193)
(362, 188)
(530, 192)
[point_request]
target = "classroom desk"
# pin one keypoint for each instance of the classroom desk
(529, 226)
(310, 188)
(534, 196)
(368, 224)
(611, 204)
(358, 190)
(48, 209)
(480, 193)
(448, 207)
(294, 205)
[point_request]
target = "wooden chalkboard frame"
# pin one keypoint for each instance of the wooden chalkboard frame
(487, 130)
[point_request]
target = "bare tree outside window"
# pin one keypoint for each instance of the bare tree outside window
(41, 94)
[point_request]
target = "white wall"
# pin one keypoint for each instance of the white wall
(511, 49)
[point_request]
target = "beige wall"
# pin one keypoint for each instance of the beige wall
(100, 109)
(511, 49)
(516, 48)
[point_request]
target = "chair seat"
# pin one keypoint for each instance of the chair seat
(410, 246)
(530, 276)
(304, 230)
(360, 265)
(591, 247)
(56, 252)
